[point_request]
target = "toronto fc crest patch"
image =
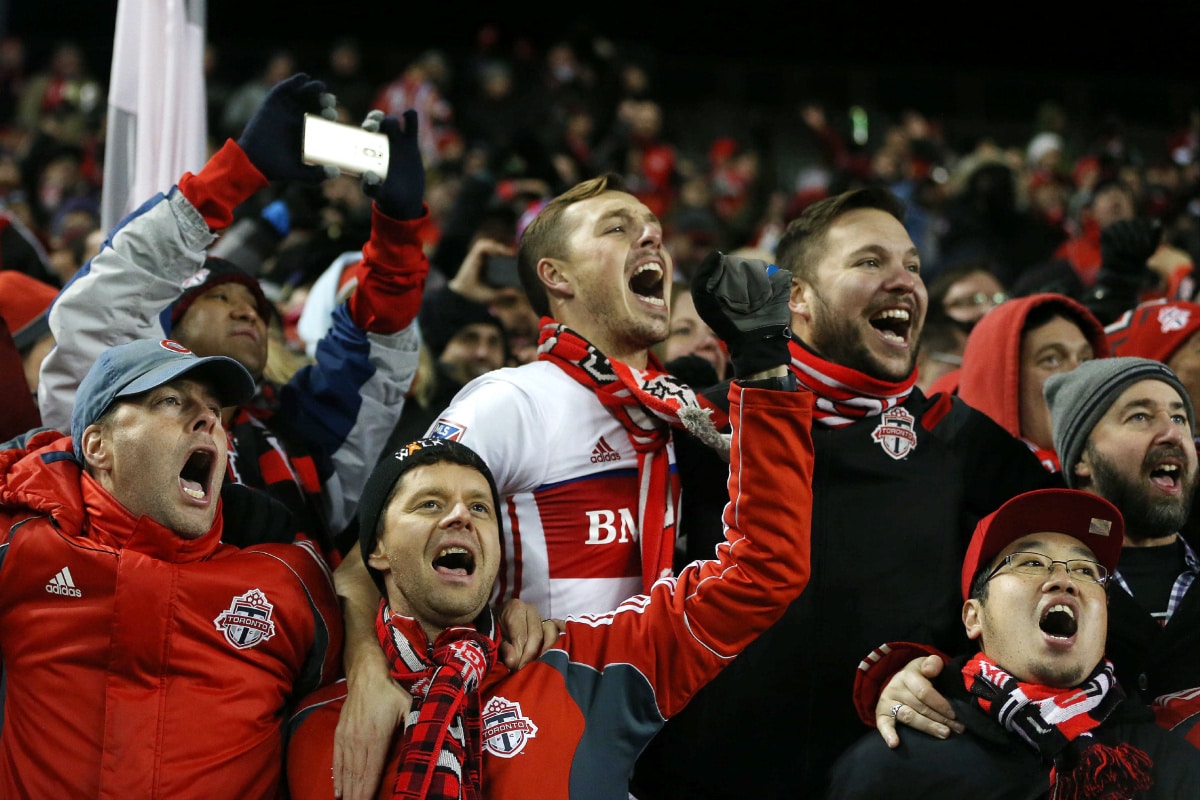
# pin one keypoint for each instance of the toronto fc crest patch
(506, 730)
(896, 432)
(247, 621)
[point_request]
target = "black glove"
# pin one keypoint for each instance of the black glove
(1126, 246)
(273, 137)
(401, 194)
(745, 302)
(254, 517)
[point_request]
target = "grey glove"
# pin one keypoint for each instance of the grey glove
(745, 302)
(274, 136)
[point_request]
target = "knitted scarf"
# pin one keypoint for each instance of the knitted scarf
(1057, 723)
(441, 753)
(1046, 455)
(647, 403)
(845, 395)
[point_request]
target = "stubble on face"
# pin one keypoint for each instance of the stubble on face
(837, 339)
(622, 300)
(865, 297)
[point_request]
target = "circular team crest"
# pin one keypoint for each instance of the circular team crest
(506, 730)
(896, 432)
(247, 621)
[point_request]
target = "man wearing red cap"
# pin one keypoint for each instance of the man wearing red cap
(1124, 429)
(1042, 708)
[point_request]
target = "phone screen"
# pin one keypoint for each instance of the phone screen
(502, 271)
(351, 149)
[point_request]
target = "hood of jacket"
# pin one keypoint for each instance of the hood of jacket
(990, 377)
(43, 478)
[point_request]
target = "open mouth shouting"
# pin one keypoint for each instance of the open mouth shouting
(894, 325)
(647, 283)
(1058, 622)
(196, 477)
(454, 560)
(1165, 468)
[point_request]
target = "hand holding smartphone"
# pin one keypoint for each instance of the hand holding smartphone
(351, 149)
(501, 271)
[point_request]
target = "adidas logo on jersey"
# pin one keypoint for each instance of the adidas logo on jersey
(603, 452)
(63, 584)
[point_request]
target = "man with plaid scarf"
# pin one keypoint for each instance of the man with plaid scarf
(572, 723)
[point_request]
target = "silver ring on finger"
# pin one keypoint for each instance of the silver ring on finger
(896, 709)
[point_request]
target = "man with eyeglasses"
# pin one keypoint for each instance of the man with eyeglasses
(1042, 707)
(1124, 428)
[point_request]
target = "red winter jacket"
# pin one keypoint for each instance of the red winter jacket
(990, 377)
(138, 663)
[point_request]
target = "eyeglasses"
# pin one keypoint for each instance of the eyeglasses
(1080, 570)
(977, 299)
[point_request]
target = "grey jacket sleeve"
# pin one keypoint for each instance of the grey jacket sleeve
(118, 295)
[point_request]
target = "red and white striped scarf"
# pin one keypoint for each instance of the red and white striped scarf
(845, 395)
(1058, 724)
(441, 754)
(647, 403)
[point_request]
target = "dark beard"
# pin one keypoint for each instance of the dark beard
(837, 341)
(1145, 517)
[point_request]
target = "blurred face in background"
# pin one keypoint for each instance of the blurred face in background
(689, 335)
(1053, 347)
(973, 296)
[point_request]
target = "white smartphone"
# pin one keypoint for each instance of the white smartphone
(349, 148)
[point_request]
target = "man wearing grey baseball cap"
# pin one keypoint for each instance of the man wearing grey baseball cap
(112, 570)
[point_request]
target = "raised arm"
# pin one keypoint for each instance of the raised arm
(149, 258)
(689, 628)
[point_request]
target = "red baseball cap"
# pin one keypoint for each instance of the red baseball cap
(1154, 329)
(1087, 517)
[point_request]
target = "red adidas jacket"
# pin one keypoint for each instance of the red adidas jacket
(139, 664)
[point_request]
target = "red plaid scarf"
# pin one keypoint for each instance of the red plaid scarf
(845, 395)
(435, 761)
(1057, 723)
(648, 404)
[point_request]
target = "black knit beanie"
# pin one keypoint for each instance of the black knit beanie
(445, 312)
(389, 471)
(215, 272)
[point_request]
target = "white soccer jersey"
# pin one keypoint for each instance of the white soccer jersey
(567, 474)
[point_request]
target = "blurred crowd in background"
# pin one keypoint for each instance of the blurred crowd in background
(507, 123)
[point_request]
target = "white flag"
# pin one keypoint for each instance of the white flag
(157, 120)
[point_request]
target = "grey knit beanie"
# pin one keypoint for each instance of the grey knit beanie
(1079, 398)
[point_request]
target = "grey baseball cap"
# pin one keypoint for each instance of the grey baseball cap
(139, 366)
